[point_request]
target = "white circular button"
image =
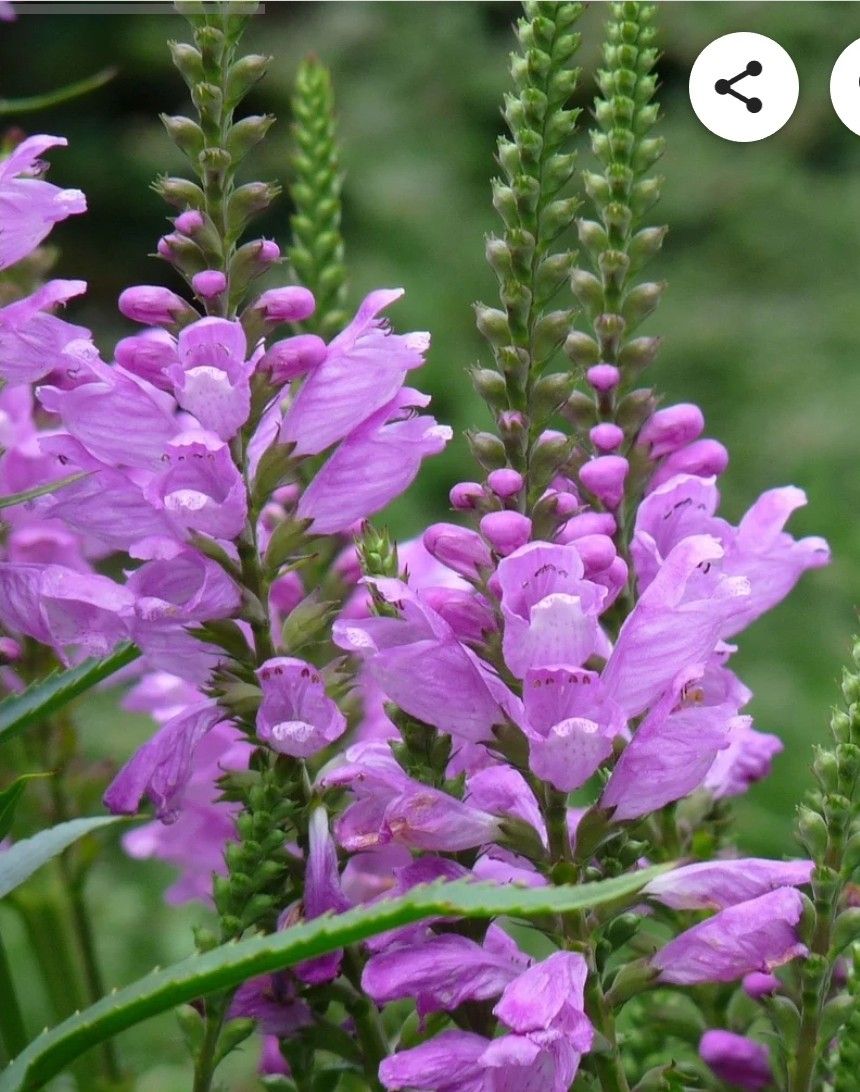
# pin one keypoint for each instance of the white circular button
(845, 87)
(744, 87)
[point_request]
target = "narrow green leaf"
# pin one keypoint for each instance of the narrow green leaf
(40, 490)
(46, 696)
(9, 798)
(61, 94)
(22, 859)
(227, 966)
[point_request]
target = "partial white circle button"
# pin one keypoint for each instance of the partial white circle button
(845, 87)
(744, 87)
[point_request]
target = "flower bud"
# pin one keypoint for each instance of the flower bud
(589, 523)
(188, 222)
(812, 831)
(505, 482)
(153, 305)
(597, 553)
(581, 349)
(488, 449)
(292, 357)
(493, 324)
(603, 377)
(641, 301)
(185, 134)
(209, 283)
(559, 503)
(671, 428)
(736, 1059)
(635, 408)
(465, 496)
(291, 304)
(758, 985)
(606, 436)
(704, 458)
(550, 392)
(491, 386)
(458, 548)
(247, 133)
(246, 202)
(506, 531)
(587, 289)
(640, 352)
(188, 60)
(180, 192)
(498, 255)
(605, 477)
(243, 74)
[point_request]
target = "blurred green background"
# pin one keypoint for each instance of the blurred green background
(761, 319)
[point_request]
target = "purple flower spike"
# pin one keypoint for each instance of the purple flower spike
(29, 207)
(290, 304)
(209, 283)
(737, 1060)
(152, 305)
(296, 716)
(714, 885)
(292, 357)
(550, 611)
(363, 370)
(758, 935)
(201, 490)
(163, 766)
(211, 377)
(449, 1062)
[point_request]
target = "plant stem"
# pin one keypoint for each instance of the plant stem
(12, 1029)
(368, 1026)
(207, 1057)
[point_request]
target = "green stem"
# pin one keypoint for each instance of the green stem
(12, 1029)
(368, 1025)
(207, 1059)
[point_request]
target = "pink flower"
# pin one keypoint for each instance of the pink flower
(29, 207)
(33, 342)
(296, 717)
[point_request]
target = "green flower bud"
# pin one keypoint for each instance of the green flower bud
(208, 101)
(488, 450)
(180, 192)
(581, 349)
(635, 409)
(185, 134)
(188, 60)
(639, 353)
(826, 769)
(641, 301)
(243, 74)
(850, 687)
(549, 332)
(306, 623)
(580, 410)
(247, 202)
(491, 386)
(498, 255)
(633, 978)
(232, 1034)
(812, 832)
(550, 393)
(840, 726)
(247, 133)
(846, 930)
(645, 244)
(592, 235)
(210, 41)
(596, 187)
(493, 324)
(587, 289)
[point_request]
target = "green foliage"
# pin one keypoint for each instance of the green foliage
(10, 499)
(44, 698)
(22, 859)
(536, 164)
(316, 252)
(617, 244)
(49, 99)
(828, 827)
(9, 798)
(227, 966)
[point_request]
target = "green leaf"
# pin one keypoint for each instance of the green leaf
(40, 490)
(227, 966)
(21, 860)
(46, 696)
(9, 800)
(61, 94)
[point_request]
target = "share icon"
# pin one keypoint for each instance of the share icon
(726, 87)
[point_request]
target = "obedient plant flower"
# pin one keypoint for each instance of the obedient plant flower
(757, 935)
(736, 1059)
(295, 716)
(29, 206)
